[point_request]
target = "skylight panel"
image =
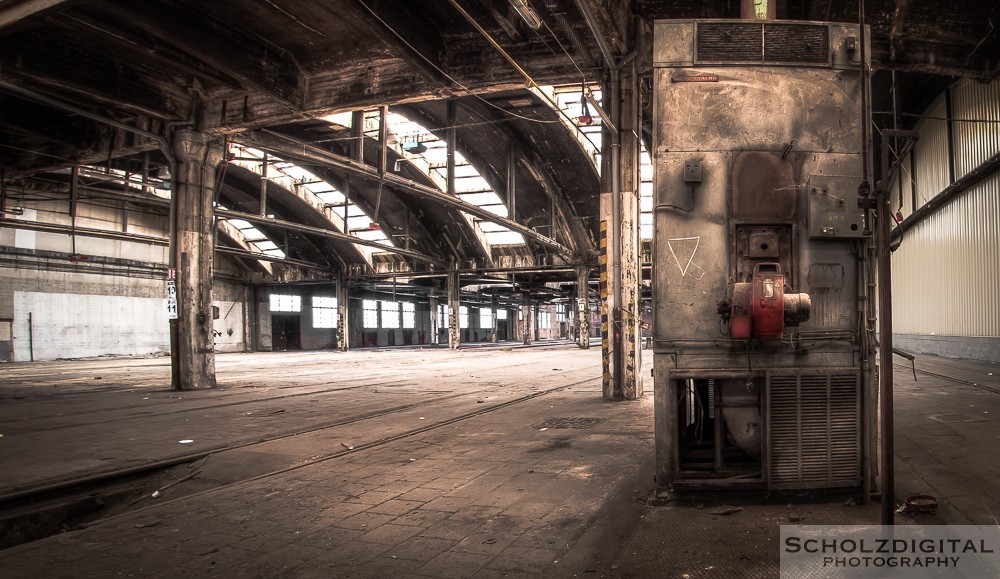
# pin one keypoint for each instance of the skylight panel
(505, 238)
(484, 198)
(472, 184)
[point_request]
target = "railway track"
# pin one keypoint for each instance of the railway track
(34, 513)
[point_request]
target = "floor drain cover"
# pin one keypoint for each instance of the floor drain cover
(569, 423)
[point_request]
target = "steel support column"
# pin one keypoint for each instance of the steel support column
(343, 316)
(493, 308)
(192, 250)
(582, 307)
(454, 305)
(620, 246)
(527, 318)
(432, 303)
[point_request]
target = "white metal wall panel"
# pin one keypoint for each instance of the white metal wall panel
(976, 110)
(80, 325)
(931, 171)
(946, 273)
(903, 187)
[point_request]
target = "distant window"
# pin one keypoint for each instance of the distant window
(324, 312)
(544, 321)
(286, 303)
(463, 317)
(501, 314)
(390, 315)
(485, 318)
(560, 312)
(409, 315)
(370, 308)
(443, 316)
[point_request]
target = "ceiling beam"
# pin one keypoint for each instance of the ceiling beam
(254, 256)
(257, 67)
(319, 231)
(411, 35)
(896, 28)
(39, 58)
(14, 11)
(290, 147)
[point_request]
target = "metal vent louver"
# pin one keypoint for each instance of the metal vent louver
(796, 43)
(760, 42)
(814, 430)
(729, 42)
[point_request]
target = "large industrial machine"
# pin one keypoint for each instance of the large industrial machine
(762, 282)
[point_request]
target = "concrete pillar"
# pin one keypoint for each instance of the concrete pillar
(454, 303)
(192, 251)
(582, 311)
(432, 303)
(493, 307)
(343, 316)
(527, 315)
(535, 315)
(621, 306)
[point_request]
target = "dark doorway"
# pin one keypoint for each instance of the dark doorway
(502, 331)
(285, 332)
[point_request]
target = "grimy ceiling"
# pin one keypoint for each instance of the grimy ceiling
(262, 71)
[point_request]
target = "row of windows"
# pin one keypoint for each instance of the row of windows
(386, 314)
(324, 309)
(395, 315)
(485, 317)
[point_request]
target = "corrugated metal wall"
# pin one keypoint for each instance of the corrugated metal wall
(946, 273)
(973, 107)
(931, 164)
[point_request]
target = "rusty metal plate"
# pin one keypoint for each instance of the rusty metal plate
(763, 186)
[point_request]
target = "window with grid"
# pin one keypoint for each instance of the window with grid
(409, 315)
(443, 316)
(544, 321)
(324, 312)
(390, 315)
(501, 314)
(286, 303)
(485, 318)
(463, 317)
(370, 318)
(560, 312)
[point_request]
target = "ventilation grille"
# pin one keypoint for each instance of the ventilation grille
(729, 42)
(814, 431)
(758, 42)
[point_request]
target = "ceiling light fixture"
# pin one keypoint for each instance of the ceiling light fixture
(527, 13)
(588, 95)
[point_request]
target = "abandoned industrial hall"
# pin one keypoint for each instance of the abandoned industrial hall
(492, 288)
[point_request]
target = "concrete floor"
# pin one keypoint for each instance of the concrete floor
(498, 461)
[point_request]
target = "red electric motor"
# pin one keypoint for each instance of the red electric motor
(761, 309)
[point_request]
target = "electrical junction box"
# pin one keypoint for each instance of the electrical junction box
(833, 207)
(692, 171)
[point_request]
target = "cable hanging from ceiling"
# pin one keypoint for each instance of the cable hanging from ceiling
(449, 77)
